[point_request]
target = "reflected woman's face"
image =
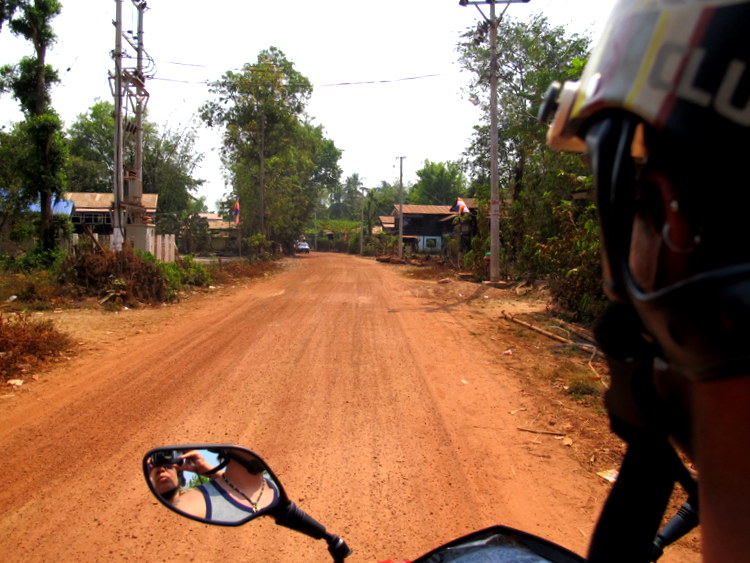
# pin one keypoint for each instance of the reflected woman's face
(164, 478)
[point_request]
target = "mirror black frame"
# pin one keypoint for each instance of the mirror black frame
(275, 511)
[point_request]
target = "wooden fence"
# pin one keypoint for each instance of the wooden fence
(163, 247)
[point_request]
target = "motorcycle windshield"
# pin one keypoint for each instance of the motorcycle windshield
(500, 544)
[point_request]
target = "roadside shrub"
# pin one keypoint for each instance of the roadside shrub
(258, 247)
(193, 273)
(36, 259)
(576, 282)
(25, 342)
(31, 290)
(123, 277)
(172, 278)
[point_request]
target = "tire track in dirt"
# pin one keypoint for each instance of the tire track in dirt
(372, 404)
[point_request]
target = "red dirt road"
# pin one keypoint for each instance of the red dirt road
(386, 408)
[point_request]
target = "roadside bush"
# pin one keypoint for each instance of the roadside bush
(583, 387)
(121, 277)
(576, 282)
(186, 271)
(25, 341)
(258, 247)
(30, 290)
(34, 260)
(193, 273)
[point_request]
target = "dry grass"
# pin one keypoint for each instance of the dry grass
(430, 270)
(225, 272)
(25, 342)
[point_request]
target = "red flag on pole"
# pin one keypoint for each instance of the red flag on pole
(236, 211)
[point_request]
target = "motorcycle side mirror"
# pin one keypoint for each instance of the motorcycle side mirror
(216, 484)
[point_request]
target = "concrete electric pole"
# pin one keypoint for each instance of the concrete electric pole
(401, 206)
(118, 221)
(494, 188)
(129, 214)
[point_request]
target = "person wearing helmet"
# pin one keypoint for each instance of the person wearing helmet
(663, 112)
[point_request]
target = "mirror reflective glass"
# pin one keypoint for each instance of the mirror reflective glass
(215, 484)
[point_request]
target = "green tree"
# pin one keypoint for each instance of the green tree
(385, 196)
(169, 158)
(370, 212)
(15, 222)
(328, 172)
(260, 109)
(91, 142)
(294, 185)
(346, 199)
(530, 56)
(44, 151)
(439, 183)
(169, 161)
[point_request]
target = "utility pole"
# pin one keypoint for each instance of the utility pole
(118, 227)
(362, 224)
(494, 187)
(401, 207)
(140, 107)
(129, 214)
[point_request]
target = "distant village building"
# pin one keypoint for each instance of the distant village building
(95, 210)
(223, 235)
(425, 225)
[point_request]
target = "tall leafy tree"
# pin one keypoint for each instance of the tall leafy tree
(29, 81)
(169, 158)
(439, 183)
(169, 162)
(346, 199)
(530, 55)
(91, 142)
(326, 158)
(385, 196)
(296, 178)
(261, 109)
(14, 201)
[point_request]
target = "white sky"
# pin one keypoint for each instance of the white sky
(329, 41)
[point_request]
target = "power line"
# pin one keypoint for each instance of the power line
(358, 83)
(381, 81)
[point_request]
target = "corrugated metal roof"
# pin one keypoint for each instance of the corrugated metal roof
(90, 201)
(388, 220)
(424, 209)
(470, 202)
(216, 222)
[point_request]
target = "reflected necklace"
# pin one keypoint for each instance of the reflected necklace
(253, 505)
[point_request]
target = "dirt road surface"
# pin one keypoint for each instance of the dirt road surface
(386, 406)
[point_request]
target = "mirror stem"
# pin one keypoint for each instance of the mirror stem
(293, 517)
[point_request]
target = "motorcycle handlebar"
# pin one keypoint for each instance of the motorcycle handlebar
(293, 517)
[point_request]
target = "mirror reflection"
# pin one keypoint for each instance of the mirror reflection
(216, 485)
